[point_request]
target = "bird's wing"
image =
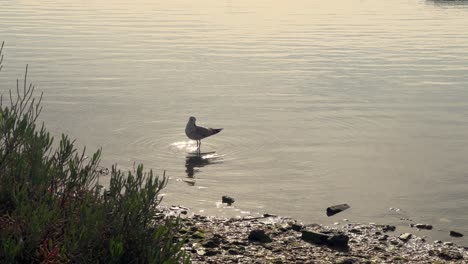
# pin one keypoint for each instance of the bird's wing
(204, 132)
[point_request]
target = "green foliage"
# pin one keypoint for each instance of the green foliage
(52, 209)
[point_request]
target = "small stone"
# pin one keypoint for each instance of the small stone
(277, 261)
(234, 251)
(355, 231)
(423, 226)
(448, 243)
(347, 260)
(405, 236)
(211, 252)
(339, 240)
(267, 246)
(201, 251)
(259, 236)
(455, 234)
(212, 242)
(437, 242)
(239, 243)
(227, 200)
(377, 248)
(383, 238)
(332, 210)
(283, 227)
(388, 228)
(296, 227)
(450, 254)
(269, 215)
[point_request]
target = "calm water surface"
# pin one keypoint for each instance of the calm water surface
(322, 102)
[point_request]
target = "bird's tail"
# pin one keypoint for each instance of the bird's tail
(216, 130)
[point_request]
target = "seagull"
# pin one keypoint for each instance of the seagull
(198, 133)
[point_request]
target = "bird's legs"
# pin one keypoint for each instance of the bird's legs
(198, 145)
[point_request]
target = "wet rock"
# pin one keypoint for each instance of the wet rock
(423, 226)
(211, 252)
(455, 234)
(383, 238)
(268, 246)
(259, 235)
(212, 242)
(314, 237)
(355, 231)
(332, 240)
(239, 243)
(339, 240)
(377, 248)
(332, 210)
(277, 261)
(405, 236)
(447, 254)
(347, 260)
(399, 259)
(227, 200)
(448, 243)
(234, 251)
(269, 215)
(283, 227)
(296, 227)
(388, 228)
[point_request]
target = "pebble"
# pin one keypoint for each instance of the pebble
(455, 234)
(227, 200)
(422, 226)
(259, 235)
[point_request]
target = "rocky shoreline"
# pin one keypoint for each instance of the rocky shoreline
(273, 239)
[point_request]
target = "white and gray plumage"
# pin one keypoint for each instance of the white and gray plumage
(198, 133)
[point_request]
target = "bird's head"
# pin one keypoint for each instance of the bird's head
(192, 119)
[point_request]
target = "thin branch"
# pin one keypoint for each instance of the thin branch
(1, 56)
(25, 77)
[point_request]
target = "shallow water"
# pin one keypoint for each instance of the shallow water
(322, 102)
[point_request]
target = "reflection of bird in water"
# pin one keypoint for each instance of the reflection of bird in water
(198, 160)
(198, 133)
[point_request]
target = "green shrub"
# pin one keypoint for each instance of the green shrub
(52, 209)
